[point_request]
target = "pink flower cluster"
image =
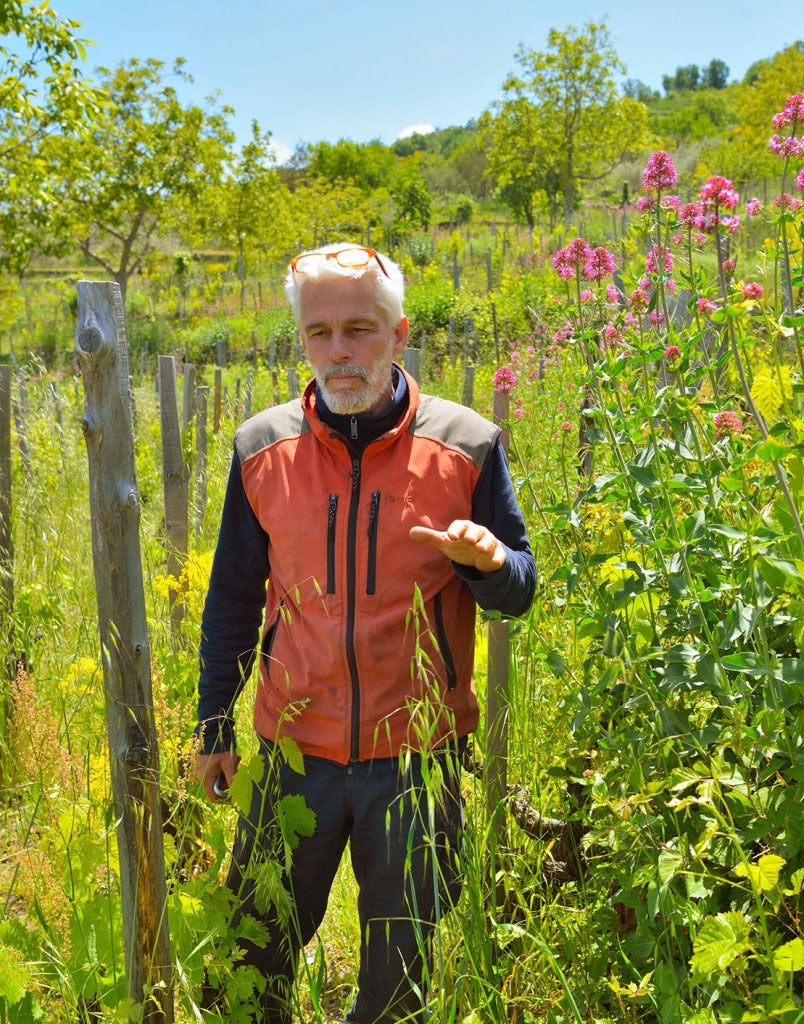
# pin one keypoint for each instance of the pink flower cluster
(580, 259)
(659, 260)
(727, 424)
(718, 191)
(660, 173)
(792, 117)
(504, 379)
(706, 215)
(753, 290)
(785, 201)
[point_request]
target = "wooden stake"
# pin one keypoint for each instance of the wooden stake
(175, 485)
(100, 345)
(497, 685)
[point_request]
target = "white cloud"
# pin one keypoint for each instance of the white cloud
(415, 129)
(282, 152)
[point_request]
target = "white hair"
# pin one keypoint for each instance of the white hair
(390, 282)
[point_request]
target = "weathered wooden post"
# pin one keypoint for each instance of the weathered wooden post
(247, 396)
(175, 485)
(468, 384)
(188, 394)
(200, 504)
(496, 332)
(217, 400)
(496, 772)
(100, 345)
(412, 362)
(21, 424)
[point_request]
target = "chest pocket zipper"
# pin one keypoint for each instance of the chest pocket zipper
(373, 523)
(332, 513)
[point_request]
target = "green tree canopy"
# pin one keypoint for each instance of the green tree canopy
(566, 104)
(248, 210)
(368, 165)
(42, 92)
(128, 178)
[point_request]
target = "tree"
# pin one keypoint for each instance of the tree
(42, 92)
(567, 103)
(369, 165)
(248, 210)
(715, 75)
(637, 90)
(693, 116)
(686, 79)
(333, 211)
(411, 198)
(129, 176)
(517, 157)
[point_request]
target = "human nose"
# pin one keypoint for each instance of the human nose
(340, 347)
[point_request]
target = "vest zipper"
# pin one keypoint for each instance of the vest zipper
(374, 515)
(351, 587)
(443, 643)
(331, 516)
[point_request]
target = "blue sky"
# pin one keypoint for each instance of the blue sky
(309, 70)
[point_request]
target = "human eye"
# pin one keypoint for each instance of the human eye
(362, 327)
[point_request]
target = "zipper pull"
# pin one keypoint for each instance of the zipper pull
(353, 428)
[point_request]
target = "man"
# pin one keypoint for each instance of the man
(379, 518)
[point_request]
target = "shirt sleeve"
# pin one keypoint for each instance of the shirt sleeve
(510, 589)
(230, 622)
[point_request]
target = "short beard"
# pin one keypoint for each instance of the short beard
(350, 403)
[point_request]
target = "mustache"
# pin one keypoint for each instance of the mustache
(347, 370)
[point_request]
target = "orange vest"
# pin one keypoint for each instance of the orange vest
(368, 642)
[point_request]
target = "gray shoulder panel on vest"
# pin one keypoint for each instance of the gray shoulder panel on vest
(269, 426)
(456, 426)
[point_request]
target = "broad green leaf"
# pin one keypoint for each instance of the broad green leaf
(796, 883)
(249, 772)
(790, 956)
(291, 753)
(771, 450)
(720, 941)
(669, 863)
(764, 875)
(295, 818)
(15, 975)
(697, 887)
(778, 570)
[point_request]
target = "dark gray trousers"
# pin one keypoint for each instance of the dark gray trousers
(403, 823)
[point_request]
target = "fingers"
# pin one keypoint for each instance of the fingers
(489, 551)
(465, 542)
(216, 772)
